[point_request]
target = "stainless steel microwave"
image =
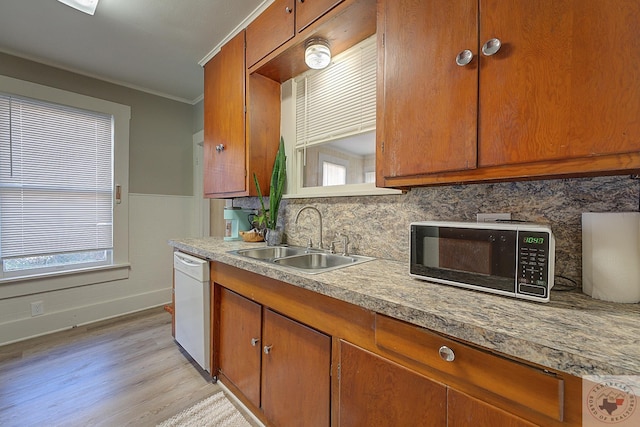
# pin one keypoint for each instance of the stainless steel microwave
(506, 258)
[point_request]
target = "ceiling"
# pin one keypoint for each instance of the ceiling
(151, 45)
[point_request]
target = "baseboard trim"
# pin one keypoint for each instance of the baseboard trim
(48, 323)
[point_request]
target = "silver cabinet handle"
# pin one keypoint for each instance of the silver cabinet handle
(301, 1)
(288, 9)
(254, 341)
(446, 354)
(464, 57)
(267, 349)
(491, 47)
(219, 147)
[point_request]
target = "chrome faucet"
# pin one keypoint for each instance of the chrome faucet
(310, 244)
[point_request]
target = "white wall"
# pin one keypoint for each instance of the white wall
(153, 219)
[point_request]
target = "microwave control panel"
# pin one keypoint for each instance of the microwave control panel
(533, 263)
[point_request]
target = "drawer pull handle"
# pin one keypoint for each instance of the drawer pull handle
(254, 341)
(219, 147)
(446, 354)
(267, 349)
(288, 9)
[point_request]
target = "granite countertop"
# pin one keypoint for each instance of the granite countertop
(573, 333)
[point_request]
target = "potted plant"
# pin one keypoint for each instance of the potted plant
(269, 217)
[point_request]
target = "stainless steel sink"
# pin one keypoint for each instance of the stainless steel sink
(311, 261)
(270, 252)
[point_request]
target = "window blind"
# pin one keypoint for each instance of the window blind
(56, 179)
(339, 100)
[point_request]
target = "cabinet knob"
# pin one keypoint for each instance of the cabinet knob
(446, 354)
(491, 47)
(219, 147)
(267, 349)
(288, 9)
(464, 57)
(301, 1)
(254, 341)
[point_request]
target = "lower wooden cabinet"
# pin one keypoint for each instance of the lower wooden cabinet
(376, 392)
(466, 411)
(279, 365)
(240, 343)
(296, 373)
(299, 358)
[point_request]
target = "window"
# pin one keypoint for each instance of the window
(328, 124)
(57, 181)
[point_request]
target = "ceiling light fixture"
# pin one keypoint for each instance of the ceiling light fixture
(86, 6)
(317, 54)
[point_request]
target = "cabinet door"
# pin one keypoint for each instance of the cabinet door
(240, 345)
(565, 82)
(224, 121)
(271, 29)
(466, 411)
(427, 105)
(307, 11)
(377, 392)
(296, 373)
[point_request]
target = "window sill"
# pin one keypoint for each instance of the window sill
(39, 283)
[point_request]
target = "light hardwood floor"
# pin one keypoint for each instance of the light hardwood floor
(126, 371)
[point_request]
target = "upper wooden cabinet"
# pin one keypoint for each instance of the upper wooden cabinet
(307, 11)
(241, 135)
(271, 29)
(224, 121)
(560, 96)
(280, 22)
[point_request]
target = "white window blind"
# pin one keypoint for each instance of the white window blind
(339, 100)
(56, 181)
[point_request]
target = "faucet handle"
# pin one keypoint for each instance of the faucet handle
(309, 243)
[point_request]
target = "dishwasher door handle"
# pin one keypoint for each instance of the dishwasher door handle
(186, 261)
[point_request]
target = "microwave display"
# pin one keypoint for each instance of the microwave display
(504, 259)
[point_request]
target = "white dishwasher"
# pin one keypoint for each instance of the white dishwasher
(191, 310)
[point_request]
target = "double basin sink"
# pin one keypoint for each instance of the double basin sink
(306, 260)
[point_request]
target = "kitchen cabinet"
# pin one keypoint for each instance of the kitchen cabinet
(383, 371)
(466, 411)
(270, 29)
(547, 103)
(279, 365)
(308, 11)
(296, 372)
(240, 335)
(237, 145)
(377, 392)
(280, 22)
(224, 121)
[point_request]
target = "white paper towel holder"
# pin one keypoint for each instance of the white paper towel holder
(611, 256)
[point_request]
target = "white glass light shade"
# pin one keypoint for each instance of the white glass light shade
(86, 6)
(317, 54)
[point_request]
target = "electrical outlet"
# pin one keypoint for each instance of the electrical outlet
(493, 217)
(37, 308)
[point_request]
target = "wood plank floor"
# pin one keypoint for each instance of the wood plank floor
(126, 371)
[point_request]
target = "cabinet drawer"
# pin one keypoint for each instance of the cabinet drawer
(525, 385)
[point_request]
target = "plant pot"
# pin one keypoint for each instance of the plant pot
(273, 237)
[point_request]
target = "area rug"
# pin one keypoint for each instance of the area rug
(214, 411)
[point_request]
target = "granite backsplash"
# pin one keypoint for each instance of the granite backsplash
(379, 225)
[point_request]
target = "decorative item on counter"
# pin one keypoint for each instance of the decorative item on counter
(252, 236)
(611, 256)
(269, 217)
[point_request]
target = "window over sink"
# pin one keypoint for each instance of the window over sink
(328, 124)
